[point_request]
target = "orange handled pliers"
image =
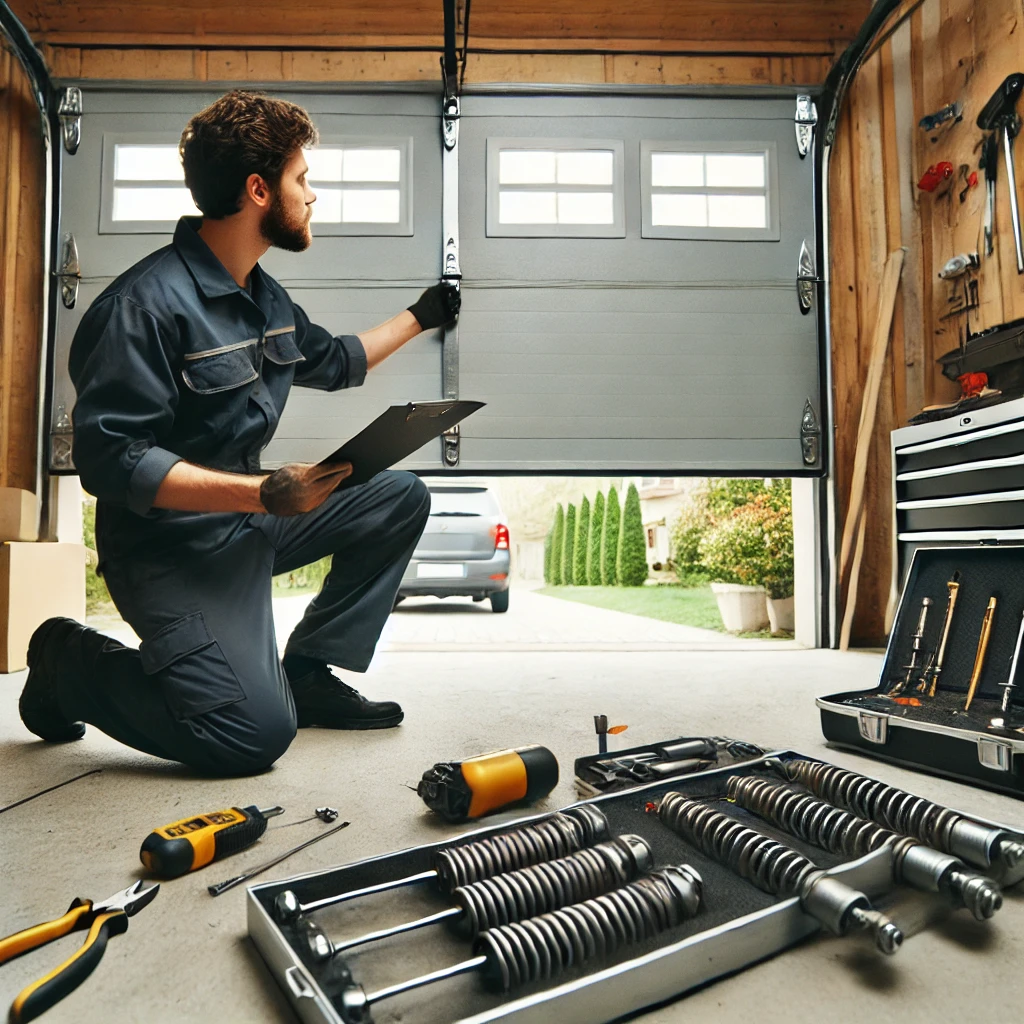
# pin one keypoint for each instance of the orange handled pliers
(103, 919)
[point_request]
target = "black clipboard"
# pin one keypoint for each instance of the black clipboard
(396, 434)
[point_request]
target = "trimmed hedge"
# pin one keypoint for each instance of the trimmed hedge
(557, 536)
(568, 544)
(610, 538)
(594, 541)
(631, 561)
(581, 544)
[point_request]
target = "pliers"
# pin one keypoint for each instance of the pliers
(103, 919)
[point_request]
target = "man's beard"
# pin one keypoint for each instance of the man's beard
(279, 231)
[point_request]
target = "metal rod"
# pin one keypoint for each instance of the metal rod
(50, 789)
(466, 967)
(979, 656)
(370, 890)
(1011, 181)
(918, 637)
(1011, 680)
(933, 666)
(398, 929)
(216, 890)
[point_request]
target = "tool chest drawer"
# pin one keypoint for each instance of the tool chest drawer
(326, 953)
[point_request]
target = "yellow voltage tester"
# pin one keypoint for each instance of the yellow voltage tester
(192, 843)
(467, 789)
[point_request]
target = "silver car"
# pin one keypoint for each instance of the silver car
(464, 550)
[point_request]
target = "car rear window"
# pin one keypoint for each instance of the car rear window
(457, 501)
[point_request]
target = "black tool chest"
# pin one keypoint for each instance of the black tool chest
(959, 507)
(736, 925)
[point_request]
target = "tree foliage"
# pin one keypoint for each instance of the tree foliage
(557, 536)
(569, 544)
(610, 538)
(594, 541)
(579, 568)
(631, 561)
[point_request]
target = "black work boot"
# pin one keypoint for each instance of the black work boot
(51, 643)
(321, 698)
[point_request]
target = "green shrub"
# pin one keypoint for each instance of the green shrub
(722, 496)
(775, 509)
(97, 597)
(581, 544)
(693, 522)
(547, 555)
(631, 559)
(594, 541)
(569, 544)
(610, 538)
(557, 537)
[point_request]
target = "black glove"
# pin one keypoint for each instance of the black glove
(298, 487)
(437, 306)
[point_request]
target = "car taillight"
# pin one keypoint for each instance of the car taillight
(500, 535)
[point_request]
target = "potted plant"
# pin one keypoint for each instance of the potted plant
(733, 554)
(775, 511)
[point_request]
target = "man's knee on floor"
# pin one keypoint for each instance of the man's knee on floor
(247, 746)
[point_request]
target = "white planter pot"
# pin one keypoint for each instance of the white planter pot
(743, 609)
(780, 614)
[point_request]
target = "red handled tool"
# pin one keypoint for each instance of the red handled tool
(104, 919)
(935, 176)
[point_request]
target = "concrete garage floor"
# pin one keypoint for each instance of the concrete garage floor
(535, 676)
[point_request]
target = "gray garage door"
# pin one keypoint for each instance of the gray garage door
(628, 264)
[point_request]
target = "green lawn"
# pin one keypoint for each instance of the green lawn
(686, 606)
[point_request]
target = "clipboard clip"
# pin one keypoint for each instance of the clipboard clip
(430, 411)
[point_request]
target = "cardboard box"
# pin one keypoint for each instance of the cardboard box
(37, 581)
(19, 514)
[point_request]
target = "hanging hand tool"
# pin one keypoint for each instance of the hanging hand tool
(990, 164)
(1005, 705)
(979, 657)
(935, 176)
(951, 112)
(915, 652)
(216, 890)
(192, 843)
(458, 790)
(999, 115)
(933, 667)
(104, 919)
(959, 265)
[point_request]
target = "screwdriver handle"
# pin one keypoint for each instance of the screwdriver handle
(192, 843)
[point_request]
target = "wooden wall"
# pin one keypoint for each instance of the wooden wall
(21, 274)
(946, 51)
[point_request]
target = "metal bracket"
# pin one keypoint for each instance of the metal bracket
(806, 278)
(70, 114)
(450, 113)
(450, 443)
(810, 435)
(806, 118)
(874, 727)
(61, 437)
(70, 272)
(995, 754)
(451, 273)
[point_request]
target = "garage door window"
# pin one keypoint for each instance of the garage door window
(708, 191)
(362, 187)
(547, 188)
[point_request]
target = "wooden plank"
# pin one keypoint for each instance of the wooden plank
(711, 20)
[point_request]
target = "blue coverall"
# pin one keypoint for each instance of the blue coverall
(175, 361)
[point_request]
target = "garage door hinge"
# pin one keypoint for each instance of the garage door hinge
(806, 118)
(810, 435)
(806, 278)
(60, 440)
(70, 272)
(69, 112)
(451, 272)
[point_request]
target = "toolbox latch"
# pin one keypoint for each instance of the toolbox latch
(994, 754)
(298, 984)
(874, 727)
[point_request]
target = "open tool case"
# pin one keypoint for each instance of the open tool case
(737, 925)
(940, 736)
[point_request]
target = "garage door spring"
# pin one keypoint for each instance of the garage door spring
(518, 895)
(940, 827)
(833, 829)
(560, 834)
(542, 947)
(777, 869)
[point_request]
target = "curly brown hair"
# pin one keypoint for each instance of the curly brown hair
(240, 134)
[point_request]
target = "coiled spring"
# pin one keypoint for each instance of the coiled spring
(801, 815)
(539, 948)
(894, 808)
(842, 832)
(547, 886)
(769, 865)
(561, 834)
